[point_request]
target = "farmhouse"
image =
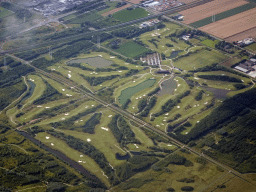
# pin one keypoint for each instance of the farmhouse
(245, 42)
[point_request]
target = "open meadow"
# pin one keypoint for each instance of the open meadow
(129, 15)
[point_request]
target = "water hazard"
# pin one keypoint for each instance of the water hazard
(168, 87)
(31, 91)
(129, 92)
(98, 62)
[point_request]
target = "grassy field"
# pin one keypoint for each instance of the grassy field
(252, 47)
(200, 59)
(129, 15)
(210, 43)
(111, 4)
(5, 12)
(223, 15)
(84, 18)
(131, 49)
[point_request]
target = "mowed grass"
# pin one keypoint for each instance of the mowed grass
(5, 12)
(200, 59)
(223, 15)
(252, 46)
(112, 5)
(131, 49)
(129, 15)
(209, 43)
(60, 145)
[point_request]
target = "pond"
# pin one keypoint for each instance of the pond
(175, 54)
(168, 87)
(129, 92)
(97, 62)
(30, 92)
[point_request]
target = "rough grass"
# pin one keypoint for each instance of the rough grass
(223, 15)
(129, 15)
(252, 47)
(210, 43)
(5, 12)
(84, 18)
(131, 49)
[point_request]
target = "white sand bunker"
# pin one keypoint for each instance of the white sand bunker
(68, 95)
(110, 116)
(84, 161)
(178, 85)
(32, 80)
(63, 119)
(198, 121)
(79, 161)
(206, 103)
(47, 107)
(86, 107)
(53, 69)
(69, 76)
(47, 137)
(100, 55)
(175, 89)
(133, 81)
(136, 146)
(144, 95)
(120, 71)
(166, 113)
(69, 71)
(63, 89)
(112, 57)
(104, 128)
(164, 120)
(39, 106)
(81, 155)
(52, 144)
(66, 114)
(137, 98)
(162, 124)
(178, 107)
(101, 85)
(158, 125)
(196, 78)
(169, 145)
(88, 140)
(92, 105)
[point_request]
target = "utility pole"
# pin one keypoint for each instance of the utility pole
(50, 52)
(98, 41)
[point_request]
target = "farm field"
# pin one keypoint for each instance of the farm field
(84, 18)
(199, 59)
(5, 12)
(242, 35)
(252, 47)
(131, 49)
(129, 15)
(110, 12)
(232, 25)
(206, 10)
(111, 6)
(223, 15)
(134, 1)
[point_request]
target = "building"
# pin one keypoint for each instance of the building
(152, 59)
(247, 66)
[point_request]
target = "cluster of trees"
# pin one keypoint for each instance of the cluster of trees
(225, 46)
(49, 94)
(88, 149)
(106, 94)
(169, 45)
(31, 169)
(19, 12)
(142, 104)
(220, 78)
(89, 5)
(168, 106)
(222, 115)
(69, 123)
(154, 91)
(132, 31)
(94, 81)
(199, 95)
(125, 106)
(98, 24)
(131, 72)
(149, 106)
(153, 41)
(135, 164)
(78, 65)
(90, 125)
(122, 131)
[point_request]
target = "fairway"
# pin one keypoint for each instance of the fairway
(129, 15)
(131, 49)
(5, 12)
(222, 15)
(199, 59)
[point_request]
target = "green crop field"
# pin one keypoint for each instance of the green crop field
(252, 47)
(84, 18)
(209, 43)
(131, 49)
(223, 15)
(199, 59)
(129, 15)
(4, 12)
(112, 5)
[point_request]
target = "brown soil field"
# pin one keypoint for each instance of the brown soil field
(242, 35)
(115, 10)
(206, 10)
(232, 25)
(134, 1)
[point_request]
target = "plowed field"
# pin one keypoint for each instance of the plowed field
(206, 10)
(232, 25)
(243, 35)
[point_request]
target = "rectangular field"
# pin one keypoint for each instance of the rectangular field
(209, 43)
(252, 47)
(115, 10)
(83, 18)
(206, 10)
(131, 49)
(232, 25)
(4, 12)
(129, 15)
(242, 35)
(134, 1)
(220, 16)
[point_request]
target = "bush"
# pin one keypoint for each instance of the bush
(187, 188)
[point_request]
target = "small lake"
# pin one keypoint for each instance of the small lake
(218, 93)
(97, 62)
(31, 91)
(175, 54)
(129, 92)
(168, 87)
